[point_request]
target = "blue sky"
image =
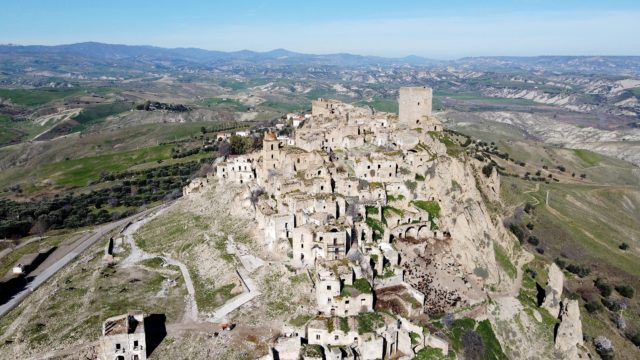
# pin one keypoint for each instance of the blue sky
(437, 29)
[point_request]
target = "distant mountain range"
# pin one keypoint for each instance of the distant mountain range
(14, 57)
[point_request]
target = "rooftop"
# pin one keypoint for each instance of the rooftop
(130, 323)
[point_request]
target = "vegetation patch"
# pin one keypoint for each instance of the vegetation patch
(381, 104)
(95, 114)
(35, 97)
(429, 353)
(368, 322)
(503, 260)
(477, 338)
(376, 226)
(453, 149)
(300, 320)
(80, 172)
(431, 207)
(589, 157)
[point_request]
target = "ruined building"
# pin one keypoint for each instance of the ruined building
(360, 199)
(123, 337)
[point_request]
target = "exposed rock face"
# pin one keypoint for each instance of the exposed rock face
(469, 219)
(568, 340)
(553, 290)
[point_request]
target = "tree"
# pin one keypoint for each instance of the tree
(604, 287)
(203, 130)
(472, 345)
(39, 227)
(625, 290)
(239, 145)
(487, 170)
(224, 149)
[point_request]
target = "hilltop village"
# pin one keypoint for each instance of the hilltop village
(364, 201)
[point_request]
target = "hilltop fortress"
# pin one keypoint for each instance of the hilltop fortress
(374, 203)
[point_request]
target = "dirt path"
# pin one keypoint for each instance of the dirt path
(221, 313)
(137, 255)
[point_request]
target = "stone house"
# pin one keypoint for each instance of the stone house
(337, 294)
(123, 337)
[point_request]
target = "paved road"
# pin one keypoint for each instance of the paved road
(84, 244)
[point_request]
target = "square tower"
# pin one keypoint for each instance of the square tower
(415, 104)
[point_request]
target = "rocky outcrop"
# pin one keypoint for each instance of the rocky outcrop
(468, 218)
(553, 291)
(568, 340)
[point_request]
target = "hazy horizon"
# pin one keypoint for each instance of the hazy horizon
(326, 53)
(377, 28)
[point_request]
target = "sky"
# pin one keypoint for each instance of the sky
(444, 29)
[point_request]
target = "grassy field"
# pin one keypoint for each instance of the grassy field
(585, 225)
(95, 114)
(133, 147)
(588, 157)
(35, 97)
(79, 172)
(380, 104)
(635, 91)
(32, 97)
(233, 104)
(14, 130)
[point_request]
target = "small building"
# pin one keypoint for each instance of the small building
(337, 294)
(123, 337)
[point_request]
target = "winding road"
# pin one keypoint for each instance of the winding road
(84, 243)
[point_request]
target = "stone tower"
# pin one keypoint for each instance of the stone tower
(414, 104)
(415, 108)
(270, 150)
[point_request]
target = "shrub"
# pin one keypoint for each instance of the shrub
(368, 322)
(603, 347)
(517, 231)
(362, 285)
(561, 263)
(529, 208)
(472, 345)
(625, 290)
(411, 185)
(593, 307)
(623, 246)
(533, 240)
(619, 321)
(611, 304)
(487, 170)
(635, 339)
(580, 270)
(604, 287)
